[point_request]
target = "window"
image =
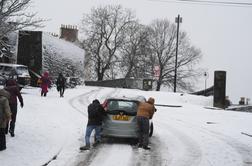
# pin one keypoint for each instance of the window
(21, 70)
(128, 106)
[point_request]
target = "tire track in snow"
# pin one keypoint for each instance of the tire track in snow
(85, 100)
(73, 100)
(244, 150)
(86, 158)
(109, 154)
(190, 150)
(149, 157)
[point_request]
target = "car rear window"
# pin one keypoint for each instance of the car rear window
(128, 106)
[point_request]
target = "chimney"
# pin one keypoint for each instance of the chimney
(69, 33)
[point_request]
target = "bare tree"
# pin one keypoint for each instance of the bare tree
(133, 52)
(105, 30)
(162, 40)
(13, 17)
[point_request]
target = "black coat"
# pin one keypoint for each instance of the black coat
(61, 82)
(95, 114)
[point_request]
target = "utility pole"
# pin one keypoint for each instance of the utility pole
(177, 20)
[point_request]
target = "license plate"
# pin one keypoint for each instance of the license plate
(121, 117)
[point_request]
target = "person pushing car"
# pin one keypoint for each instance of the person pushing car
(95, 116)
(144, 113)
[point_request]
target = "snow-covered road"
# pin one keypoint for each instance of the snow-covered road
(116, 153)
(178, 140)
(50, 131)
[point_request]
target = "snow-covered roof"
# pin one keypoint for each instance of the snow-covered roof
(12, 65)
(64, 48)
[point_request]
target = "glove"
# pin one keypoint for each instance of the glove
(22, 104)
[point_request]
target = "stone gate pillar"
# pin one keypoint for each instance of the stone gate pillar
(219, 89)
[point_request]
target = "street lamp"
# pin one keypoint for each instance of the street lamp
(177, 20)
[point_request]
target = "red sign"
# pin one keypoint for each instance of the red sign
(156, 72)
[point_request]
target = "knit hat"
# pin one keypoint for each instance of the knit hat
(151, 100)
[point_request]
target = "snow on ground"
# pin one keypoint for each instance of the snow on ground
(52, 129)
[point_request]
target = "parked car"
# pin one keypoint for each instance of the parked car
(18, 72)
(120, 120)
(72, 82)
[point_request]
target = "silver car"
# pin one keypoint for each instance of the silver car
(120, 120)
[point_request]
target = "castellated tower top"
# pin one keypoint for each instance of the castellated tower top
(69, 32)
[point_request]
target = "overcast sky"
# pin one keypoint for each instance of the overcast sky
(223, 33)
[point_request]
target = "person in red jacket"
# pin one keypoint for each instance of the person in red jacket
(13, 89)
(45, 83)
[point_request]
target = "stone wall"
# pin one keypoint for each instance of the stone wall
(118, 83)
(242, 108)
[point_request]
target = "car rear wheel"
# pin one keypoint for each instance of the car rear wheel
(151, 130)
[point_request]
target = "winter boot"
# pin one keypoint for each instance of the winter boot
(2, 148)
(146, 147)
(12, 133)
(87, 147)
(140, 145)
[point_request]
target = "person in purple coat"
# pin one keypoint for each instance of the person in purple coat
(13, 89)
